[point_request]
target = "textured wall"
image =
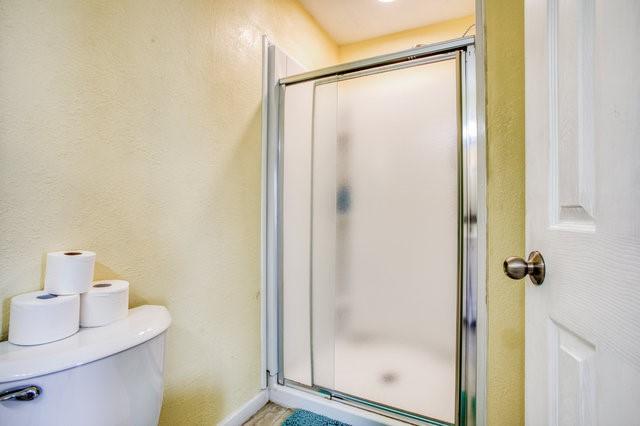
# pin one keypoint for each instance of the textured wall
(132, 128)
(504, 27)
(446, 30)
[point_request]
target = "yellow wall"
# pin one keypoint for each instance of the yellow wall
(446, 30)
(132, 128)
(504, 32)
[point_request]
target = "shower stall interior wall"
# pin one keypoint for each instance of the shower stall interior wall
(373, 235)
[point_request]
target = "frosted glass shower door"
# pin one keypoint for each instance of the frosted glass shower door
(384, 236)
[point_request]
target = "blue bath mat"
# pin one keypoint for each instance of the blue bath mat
(307, 418)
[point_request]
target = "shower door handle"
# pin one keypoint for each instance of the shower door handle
(517, 268)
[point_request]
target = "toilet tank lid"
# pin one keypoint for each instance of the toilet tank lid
(89, 344)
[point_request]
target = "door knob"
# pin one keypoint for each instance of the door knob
(517, 268)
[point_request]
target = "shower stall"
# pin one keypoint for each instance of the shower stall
(372, 234)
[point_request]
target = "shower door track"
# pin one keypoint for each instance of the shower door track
(467, 344)
(391, 58)
(376, 407)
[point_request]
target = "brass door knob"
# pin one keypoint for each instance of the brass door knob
(517, 268)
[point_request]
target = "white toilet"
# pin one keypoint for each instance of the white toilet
(103, 376)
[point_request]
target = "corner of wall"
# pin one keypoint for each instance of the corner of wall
(504, 36)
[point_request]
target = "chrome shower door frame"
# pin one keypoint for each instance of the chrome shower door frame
(471, 232)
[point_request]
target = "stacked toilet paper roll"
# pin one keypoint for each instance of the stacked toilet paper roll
(39, 317)
(70, 300)
(105, 302)
(69, 272)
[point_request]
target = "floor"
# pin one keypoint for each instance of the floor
(269, 415)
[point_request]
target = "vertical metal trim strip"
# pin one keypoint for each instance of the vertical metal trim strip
(264, 209)
(477, 74)
(462, 234)
(470, 272)
(278, 226)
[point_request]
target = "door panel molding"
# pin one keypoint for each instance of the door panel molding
(570, 34)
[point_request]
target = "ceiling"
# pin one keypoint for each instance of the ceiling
(348, 21)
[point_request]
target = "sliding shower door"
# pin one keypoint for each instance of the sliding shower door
(371, 236)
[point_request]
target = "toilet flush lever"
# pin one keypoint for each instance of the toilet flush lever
(27, 393)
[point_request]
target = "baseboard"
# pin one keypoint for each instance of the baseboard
(245, 412)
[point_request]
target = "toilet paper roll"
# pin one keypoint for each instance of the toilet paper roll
(105, 302)
(39, 317)
(69, 272)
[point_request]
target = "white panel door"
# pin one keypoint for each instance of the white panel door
(583, 211)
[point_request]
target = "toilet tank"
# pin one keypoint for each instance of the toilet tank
(102, 376)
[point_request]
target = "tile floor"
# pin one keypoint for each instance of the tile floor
(269, 415)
